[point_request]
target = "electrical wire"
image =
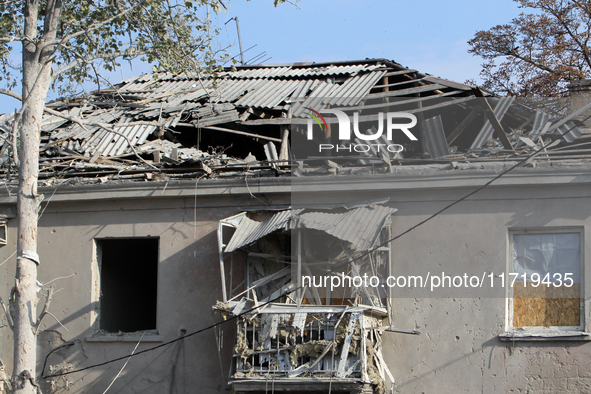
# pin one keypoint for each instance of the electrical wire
(412, 228)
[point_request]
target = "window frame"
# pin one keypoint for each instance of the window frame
(510, 268)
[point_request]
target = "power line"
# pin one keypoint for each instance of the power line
(519, 163)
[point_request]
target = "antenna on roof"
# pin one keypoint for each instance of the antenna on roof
(257, 57)
(239, 39)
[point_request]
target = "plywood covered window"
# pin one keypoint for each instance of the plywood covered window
(546, 279)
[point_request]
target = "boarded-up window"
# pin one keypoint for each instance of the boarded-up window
(546, 279)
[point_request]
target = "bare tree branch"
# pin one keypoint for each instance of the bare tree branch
(94, 26)
(14, 134)
(89, 59)
(11, 94)
(6, 40)
(569, 30)
(8, 316)
(45, 310)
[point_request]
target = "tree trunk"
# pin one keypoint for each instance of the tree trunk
(36, 82)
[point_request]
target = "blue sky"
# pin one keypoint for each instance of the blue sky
(428, 35)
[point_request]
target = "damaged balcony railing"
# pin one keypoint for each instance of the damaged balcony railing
(294, 324)
(337, 343)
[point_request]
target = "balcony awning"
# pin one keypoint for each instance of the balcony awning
(360, 226)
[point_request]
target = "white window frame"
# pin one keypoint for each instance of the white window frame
(510, 268)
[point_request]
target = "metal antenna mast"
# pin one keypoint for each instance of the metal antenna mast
(239, 40)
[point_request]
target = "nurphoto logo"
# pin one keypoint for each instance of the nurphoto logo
(392, 124)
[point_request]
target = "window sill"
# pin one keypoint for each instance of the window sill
(545, 336)
(126, 337)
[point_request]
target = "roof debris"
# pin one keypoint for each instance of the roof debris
(245, 120)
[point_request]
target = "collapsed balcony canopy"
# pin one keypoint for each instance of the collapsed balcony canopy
(359, 226)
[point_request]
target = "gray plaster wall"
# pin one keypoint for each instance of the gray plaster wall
(188, 287)
(458, 351)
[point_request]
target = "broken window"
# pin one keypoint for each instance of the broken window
(279, 274)
(128, 284)
(546, 280)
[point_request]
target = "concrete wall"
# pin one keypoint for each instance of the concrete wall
(458, 351)
(188, 287)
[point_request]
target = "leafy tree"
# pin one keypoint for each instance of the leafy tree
(67, 42)
(540, 51)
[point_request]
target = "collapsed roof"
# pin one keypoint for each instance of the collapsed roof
(174, 126)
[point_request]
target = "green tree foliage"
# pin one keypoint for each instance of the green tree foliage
(540, 51)
(94, 35)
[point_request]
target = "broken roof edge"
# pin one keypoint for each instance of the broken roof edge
(388, 63)
(417, 177)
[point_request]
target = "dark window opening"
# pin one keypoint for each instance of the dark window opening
(129, 277)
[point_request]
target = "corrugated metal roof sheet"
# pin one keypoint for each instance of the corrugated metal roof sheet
(51, 122)
(314, 100)
(331, 70)
(360, 226)
(434, 135)
(569, 131)
(487, 130)
(111, 144)
(80, 133)
(354, 89)
(219, 118)
(541, 125)
(167, 83)
(295, 71)
(249, 230)
(351, 92)
(263, 72)
(268, 87)
(230, 90)
(269, 93)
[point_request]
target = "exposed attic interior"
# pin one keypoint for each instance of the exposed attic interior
(254, 120)
(305, 333)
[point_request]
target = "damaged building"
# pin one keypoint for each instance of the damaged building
(224, 222)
